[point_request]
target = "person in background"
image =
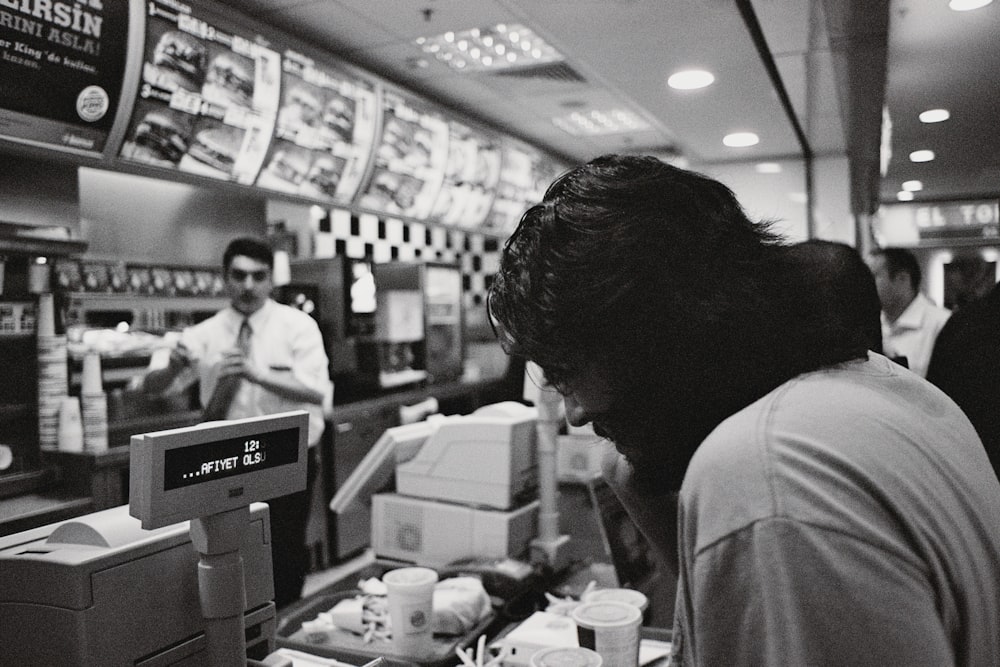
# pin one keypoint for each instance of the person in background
(833, 508)
(910, 321)
(965, 364)
(258, 357)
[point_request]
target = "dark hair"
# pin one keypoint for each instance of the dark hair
(657, 274)
(838, 295)
(248, 246)
(900, 260)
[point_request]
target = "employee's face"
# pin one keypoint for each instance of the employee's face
(249, 283)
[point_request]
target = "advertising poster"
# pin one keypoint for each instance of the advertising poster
(208, 97)
(410, 160)
(470, 179)
(61, 70)
(324, 132)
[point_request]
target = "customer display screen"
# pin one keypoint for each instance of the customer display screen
(194, 464)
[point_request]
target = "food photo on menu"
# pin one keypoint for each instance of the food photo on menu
(287, 167)
(338, 116)
(393, 192)
(213, 149)
(161, 136)
(323, 177)
(229, 80)
(301, 108)
(177, 62)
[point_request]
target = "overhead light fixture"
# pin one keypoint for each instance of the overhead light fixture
(690, 79)
(500, 47)
(904, 195)
(768, 168)
(596, 123)
(913, 186)
(921, 156)
(934, 115)
(967, 5)
(740, 139)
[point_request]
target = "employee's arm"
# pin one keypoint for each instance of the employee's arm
(283, 383)
(157, 381)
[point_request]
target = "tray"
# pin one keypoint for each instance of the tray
(348, 647)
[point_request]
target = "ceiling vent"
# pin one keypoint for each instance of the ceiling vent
(560, 72)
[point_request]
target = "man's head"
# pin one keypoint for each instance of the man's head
(839, 289)
(897, 278)
(650, 300)
(247, 265)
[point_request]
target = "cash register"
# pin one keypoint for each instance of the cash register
(179, 576)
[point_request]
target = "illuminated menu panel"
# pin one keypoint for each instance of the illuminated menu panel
(324, 132)
(470, 178)
(208, 97)
(61, 71)
(410, 160)
(524, 176)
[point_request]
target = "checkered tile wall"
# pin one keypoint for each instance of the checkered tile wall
(360, 235)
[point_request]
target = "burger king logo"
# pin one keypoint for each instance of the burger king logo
(92, 103)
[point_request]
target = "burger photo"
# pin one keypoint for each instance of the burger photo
(213, 151)
(178, 62)
(338, 117)
(160, 138)
(228, 81)
(286, 170)
(302, 108)
(323, 177)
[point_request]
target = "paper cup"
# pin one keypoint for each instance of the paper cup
(565, 656)
(411, 607)
(70, 425)
(610, 628)
(91, 382)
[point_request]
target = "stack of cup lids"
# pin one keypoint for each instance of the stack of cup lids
(53, 375)
(94, 405)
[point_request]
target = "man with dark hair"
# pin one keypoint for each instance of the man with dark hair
(910, 321)
(823, 516)
(258, 357)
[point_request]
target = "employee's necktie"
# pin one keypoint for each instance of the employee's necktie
(225, 390)
(243, 339)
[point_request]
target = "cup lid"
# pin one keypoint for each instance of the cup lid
(627, 595)
(566, 656)
(410, 576)
(606, 614)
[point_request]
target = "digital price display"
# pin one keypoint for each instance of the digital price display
(196, 464)
(193, 472)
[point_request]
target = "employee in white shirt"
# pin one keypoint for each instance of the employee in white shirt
(910, 321)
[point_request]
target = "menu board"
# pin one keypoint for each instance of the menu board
(470, 178)
(524, 176)
(61, 71)
(410, 160)
(324, 133)
(208, 97)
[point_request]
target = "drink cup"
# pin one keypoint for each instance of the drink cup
(627, 595)
(411, 607)
(612, 629)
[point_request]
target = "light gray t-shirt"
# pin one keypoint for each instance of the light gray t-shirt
(849, 517)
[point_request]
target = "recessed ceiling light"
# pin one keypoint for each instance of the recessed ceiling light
(501, 47)
(913, 186)
(768, 168)
(904, 195)
(934, 115)
(690, 79)
(966, 5)
(596, 122)
(921, 156)
(740, 139)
